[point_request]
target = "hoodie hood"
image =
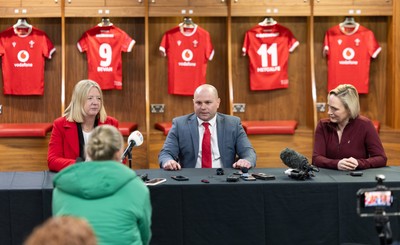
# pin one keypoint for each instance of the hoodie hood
(92, 180)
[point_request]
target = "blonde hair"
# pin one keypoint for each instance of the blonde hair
(104, 142)
(75, 111)
(62, 230)
(348, 95)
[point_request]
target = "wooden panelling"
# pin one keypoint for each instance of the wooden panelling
(176, 105)
(188, 8)
(104, 11)
(271, 7)
(84, 3)
(373, 104)
(393, 71)
(34, 108)
(30, 8)
(281, 104)
(30, 154)
(100, 8)
(353, 7)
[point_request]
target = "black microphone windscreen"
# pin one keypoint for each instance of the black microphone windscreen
(293, 159)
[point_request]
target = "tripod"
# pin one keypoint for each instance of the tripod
(382, 225)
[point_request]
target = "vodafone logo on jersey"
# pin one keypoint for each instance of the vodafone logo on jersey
(23, 56)
(187, 56)
(348, 54)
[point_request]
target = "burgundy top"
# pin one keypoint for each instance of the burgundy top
(359, 140)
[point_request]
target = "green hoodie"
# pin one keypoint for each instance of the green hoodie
(113, 199)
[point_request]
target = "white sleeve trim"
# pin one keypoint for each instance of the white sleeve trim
(375, 54)
(131, 44)
(162, 50)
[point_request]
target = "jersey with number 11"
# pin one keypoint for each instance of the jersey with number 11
(268, 48)
(103, 46)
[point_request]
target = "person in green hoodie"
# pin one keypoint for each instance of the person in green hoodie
(108, 194)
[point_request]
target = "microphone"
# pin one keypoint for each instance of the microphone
(134, 139)
(298, 163)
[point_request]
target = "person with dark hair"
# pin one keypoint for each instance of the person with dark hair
(113, 199)
(346, 140)
(62, 230)
(72, 130)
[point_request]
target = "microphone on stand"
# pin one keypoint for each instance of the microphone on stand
(134, 139)
(298, 164)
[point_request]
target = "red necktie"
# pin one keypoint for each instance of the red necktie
(206, 147)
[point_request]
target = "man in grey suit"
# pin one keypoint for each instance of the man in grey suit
(183, 146)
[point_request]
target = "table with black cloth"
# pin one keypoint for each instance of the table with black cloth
(320, 210)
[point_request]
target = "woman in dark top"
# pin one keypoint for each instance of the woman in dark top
(347, 140)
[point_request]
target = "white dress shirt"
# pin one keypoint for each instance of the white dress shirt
(216, 158)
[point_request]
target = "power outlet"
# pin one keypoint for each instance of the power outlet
(321, 107)
(157, 108)
(239, 107)
(1, 109)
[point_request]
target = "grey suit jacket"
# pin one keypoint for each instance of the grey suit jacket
(182, 143)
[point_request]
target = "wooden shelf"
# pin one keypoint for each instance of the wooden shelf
(326, 10)
(138, 11)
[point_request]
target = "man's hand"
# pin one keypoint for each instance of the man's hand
(171, 165)
(242, 163)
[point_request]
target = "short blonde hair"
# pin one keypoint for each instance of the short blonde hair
(62, 230)
(348, 95)
(75, 110)
(104, 142)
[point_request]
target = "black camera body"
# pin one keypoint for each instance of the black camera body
(376, 201)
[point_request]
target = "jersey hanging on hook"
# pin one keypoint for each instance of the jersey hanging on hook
(188, 52)
(349, 55)
(268, 48)
(103, 46)
(23, 55)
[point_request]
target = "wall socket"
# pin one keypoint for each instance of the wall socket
(239, 107)
(157, 108)
(1, 109)
(321, 106)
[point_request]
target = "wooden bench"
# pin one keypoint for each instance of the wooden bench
(126, 128)
(163, 126)
(41, 129)
(270, 127)
(25, 129)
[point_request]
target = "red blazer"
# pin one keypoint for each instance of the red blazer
(64, 143)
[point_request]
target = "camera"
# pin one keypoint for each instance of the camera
(377, 200)
(378, 203)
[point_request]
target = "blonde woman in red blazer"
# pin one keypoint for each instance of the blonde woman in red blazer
(72, 130)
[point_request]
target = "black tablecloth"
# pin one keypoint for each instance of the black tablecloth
(320, 210)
